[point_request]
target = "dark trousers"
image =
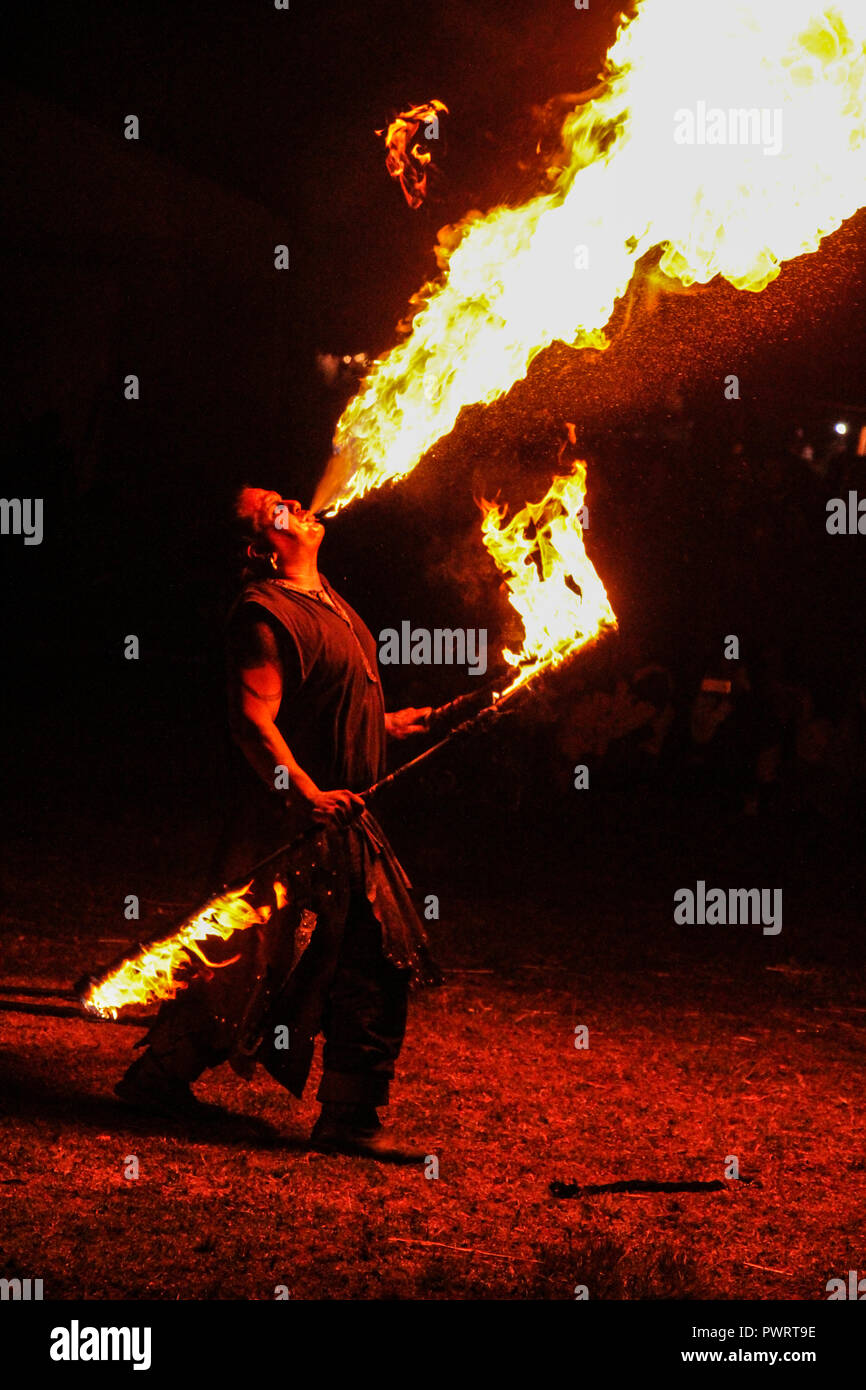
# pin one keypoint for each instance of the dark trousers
(364, 1017)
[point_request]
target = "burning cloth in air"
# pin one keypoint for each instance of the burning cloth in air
(343, 938)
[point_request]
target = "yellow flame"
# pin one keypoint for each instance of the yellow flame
(728, 204)
(151, 974)
(551, 581)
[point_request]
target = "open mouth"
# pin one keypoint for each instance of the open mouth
(304, 518)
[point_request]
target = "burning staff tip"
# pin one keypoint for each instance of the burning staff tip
(86, 993)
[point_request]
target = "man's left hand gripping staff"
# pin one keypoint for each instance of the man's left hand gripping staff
(404, 722)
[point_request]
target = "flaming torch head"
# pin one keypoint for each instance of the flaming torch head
(552, 584)
(157, 972)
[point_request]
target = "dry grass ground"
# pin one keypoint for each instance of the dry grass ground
(698, 1050)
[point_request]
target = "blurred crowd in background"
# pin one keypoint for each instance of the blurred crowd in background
(748, 694)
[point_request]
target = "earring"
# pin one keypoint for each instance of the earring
(273, 559)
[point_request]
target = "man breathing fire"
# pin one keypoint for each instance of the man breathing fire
(308, 715)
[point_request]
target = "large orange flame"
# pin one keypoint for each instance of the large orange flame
(151, 974)
(517, 279)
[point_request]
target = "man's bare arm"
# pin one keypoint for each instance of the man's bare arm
(255, 695)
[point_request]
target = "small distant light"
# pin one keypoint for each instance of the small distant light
(840, 427)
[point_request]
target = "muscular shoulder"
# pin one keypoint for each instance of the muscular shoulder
(252, 639)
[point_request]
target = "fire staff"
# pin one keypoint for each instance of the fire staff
(343, 941)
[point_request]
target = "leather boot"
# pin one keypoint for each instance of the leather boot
(357, 1130)
(149, 1086)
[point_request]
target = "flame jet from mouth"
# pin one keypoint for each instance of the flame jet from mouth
(510, 283)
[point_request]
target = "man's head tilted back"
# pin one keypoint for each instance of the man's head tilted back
(254, 509)
(275, 529)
